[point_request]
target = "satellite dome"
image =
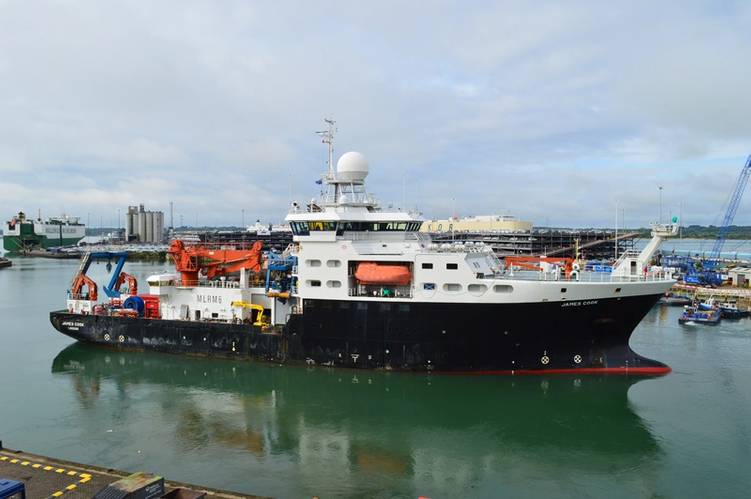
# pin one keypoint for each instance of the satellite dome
(351, 167)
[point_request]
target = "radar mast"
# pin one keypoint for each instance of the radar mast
(327, 137)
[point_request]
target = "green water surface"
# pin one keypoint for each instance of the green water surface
(298, 432)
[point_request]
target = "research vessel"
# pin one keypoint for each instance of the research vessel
(361, 287)
(21, 233)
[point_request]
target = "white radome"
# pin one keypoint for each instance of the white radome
(351, 167)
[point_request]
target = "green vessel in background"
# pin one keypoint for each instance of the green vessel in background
(21, 233)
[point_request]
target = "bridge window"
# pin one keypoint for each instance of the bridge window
(427, 265)
(322, 226)
(452, 266)
(375, 226)
(300, 228)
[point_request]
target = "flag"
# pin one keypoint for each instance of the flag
(319, 181)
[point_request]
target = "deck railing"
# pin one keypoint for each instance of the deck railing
(583, 277)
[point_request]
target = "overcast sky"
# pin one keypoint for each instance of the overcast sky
(553, 112)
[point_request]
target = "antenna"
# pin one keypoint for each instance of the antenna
(659, 221)
(327, 137)
(404, 192)
(615, 242)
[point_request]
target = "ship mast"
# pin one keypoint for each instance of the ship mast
(327, 137)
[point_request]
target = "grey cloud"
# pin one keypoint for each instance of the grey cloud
(550, 111)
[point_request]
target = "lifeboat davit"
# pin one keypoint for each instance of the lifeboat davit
(383, 273)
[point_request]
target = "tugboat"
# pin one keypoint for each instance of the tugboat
(695, 315)
(727, 310)
(362, 287)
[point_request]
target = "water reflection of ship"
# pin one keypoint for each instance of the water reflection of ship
(337, 423)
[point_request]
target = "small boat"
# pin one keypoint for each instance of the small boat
(672, 300)
(731, 311)
(4, 262)
(693, 315)
(727, 310)
(378, 273)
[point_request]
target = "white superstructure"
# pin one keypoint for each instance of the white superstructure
(346, 228)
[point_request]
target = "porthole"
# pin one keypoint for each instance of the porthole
(313, 263)
(503, 288)
(477, 289)
(333, 263)
(452, 287)
(333, 284)
(314, 283)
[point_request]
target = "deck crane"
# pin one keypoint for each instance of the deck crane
(192, 260)
(709, 274)
(81, 281)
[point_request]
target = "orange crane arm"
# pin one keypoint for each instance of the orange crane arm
(190, 260)
(76, 289)
(131, 280)
(533, 262)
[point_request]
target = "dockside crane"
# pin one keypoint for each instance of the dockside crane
(709, 273)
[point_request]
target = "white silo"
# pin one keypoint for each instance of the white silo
(128, 225)
(149, 226)
(158, 227)
(141, 226)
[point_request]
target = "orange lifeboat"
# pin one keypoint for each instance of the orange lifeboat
(383, 274)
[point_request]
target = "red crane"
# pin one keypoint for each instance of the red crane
(533, 262)
(131, 280)
(194, 259)
(76, 288)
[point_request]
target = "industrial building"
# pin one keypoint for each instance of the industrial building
(144, 226)
(740, 276)
(480, 223)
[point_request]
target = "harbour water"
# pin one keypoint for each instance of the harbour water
(297, 432)
(733, 248)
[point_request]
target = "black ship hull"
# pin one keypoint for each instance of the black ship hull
(548, 337)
